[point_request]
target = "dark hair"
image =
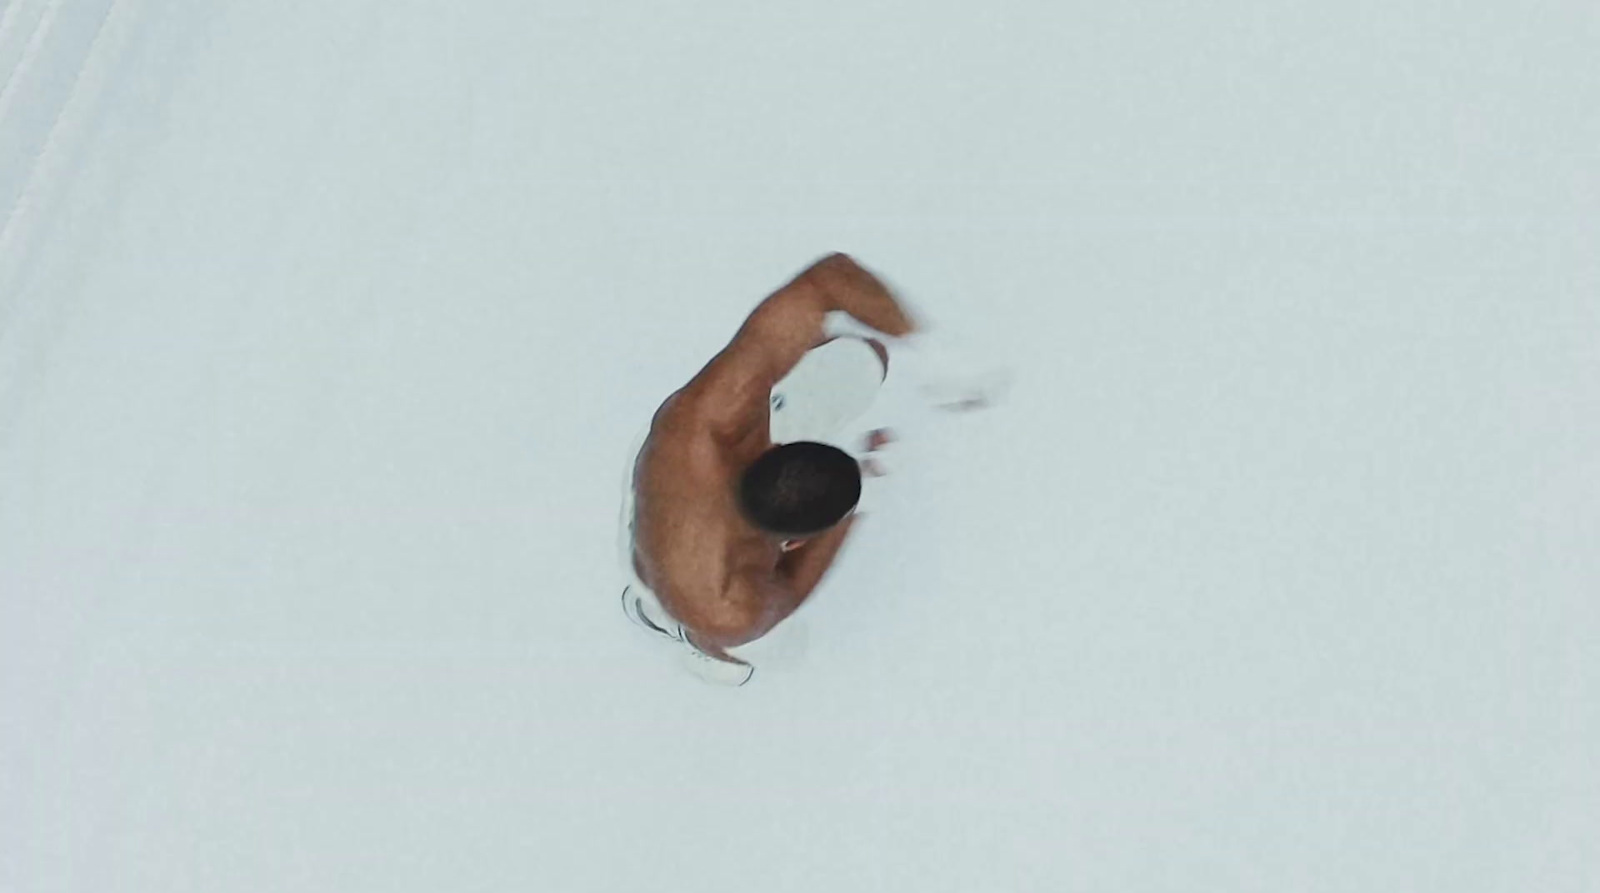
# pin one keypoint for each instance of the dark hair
(800, 489)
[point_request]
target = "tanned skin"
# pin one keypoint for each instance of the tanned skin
(726, 581)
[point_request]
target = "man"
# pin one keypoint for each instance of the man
(728, 533)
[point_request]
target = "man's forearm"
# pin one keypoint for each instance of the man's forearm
(845, 285)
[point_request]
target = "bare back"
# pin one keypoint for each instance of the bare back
(690, 539)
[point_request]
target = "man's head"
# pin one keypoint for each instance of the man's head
(800, 489)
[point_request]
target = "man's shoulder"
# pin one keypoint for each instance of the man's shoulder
(714, 412)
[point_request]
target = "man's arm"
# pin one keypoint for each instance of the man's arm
(759, 603)
(805, 567)
(844, 285)
(786, 325)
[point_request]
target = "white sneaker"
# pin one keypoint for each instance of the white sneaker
(634, 608)
(714, 671)
(831, 386)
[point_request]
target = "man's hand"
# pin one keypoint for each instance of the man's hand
(875, 441)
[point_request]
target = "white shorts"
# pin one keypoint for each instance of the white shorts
(832, 386)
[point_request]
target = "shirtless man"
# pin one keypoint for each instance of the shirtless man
(726, 581)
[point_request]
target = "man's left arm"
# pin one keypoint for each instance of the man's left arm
(805, 567)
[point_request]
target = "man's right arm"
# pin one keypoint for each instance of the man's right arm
(789, 323)
(841, 284)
